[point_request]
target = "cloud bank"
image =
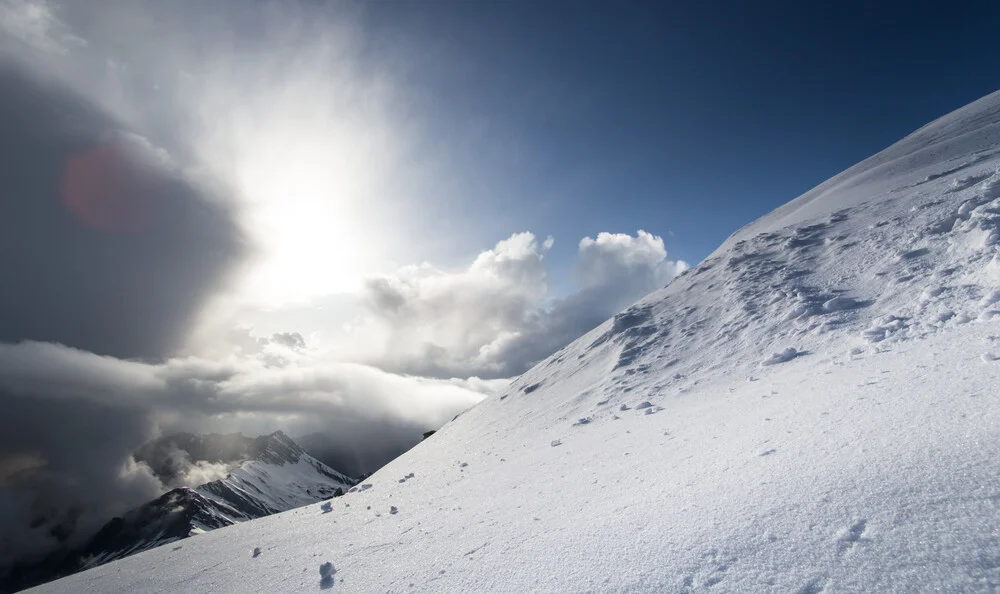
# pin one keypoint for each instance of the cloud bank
(76, 417)
(493, 319)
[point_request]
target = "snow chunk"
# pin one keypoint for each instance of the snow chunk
(782, 357)
(326, 507)
(326, 572)
(883, 327)
(644, 404)
(839, 303)
(798, 311)
(931, 292)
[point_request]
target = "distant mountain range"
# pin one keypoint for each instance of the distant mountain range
(263, 476)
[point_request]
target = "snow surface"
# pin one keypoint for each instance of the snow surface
(862, 458)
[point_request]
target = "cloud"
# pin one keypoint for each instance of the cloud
(35, 23)
(106, 246)
(493, 319)
(65, 472)
(109, 249)
(624, 262)
(175, 468)
(281, 101)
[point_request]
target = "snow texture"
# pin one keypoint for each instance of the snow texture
(864, 462)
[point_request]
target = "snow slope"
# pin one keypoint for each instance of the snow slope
(814, 408)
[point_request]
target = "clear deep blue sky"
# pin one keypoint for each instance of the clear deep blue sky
(685, 119)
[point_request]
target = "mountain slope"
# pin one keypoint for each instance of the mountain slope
(270, 474)
(811, 409)
(279, 476)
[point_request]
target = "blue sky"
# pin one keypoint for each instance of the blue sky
(684, 119)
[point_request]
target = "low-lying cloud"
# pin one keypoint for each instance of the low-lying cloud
(493, 319)
(80, 416)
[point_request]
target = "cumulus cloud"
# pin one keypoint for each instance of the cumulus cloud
(493, 319)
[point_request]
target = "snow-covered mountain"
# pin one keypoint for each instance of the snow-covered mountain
(813, 408)
(268, 474)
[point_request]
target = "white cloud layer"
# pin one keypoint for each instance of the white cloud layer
(494, 319)
(59, 404)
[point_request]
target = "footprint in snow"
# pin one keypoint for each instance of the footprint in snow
(851, 537)
(556, 442)
(256, 552)
(327, 507)
(989, 357)
(644, 404)
(393, 510)
(814, 586)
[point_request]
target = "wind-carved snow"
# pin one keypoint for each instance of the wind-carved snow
(863, 459)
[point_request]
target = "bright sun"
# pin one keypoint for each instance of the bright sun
(306, 209)
(313, 146)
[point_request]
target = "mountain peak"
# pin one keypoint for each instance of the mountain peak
(275, 448)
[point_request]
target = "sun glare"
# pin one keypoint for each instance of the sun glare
(302, 210)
